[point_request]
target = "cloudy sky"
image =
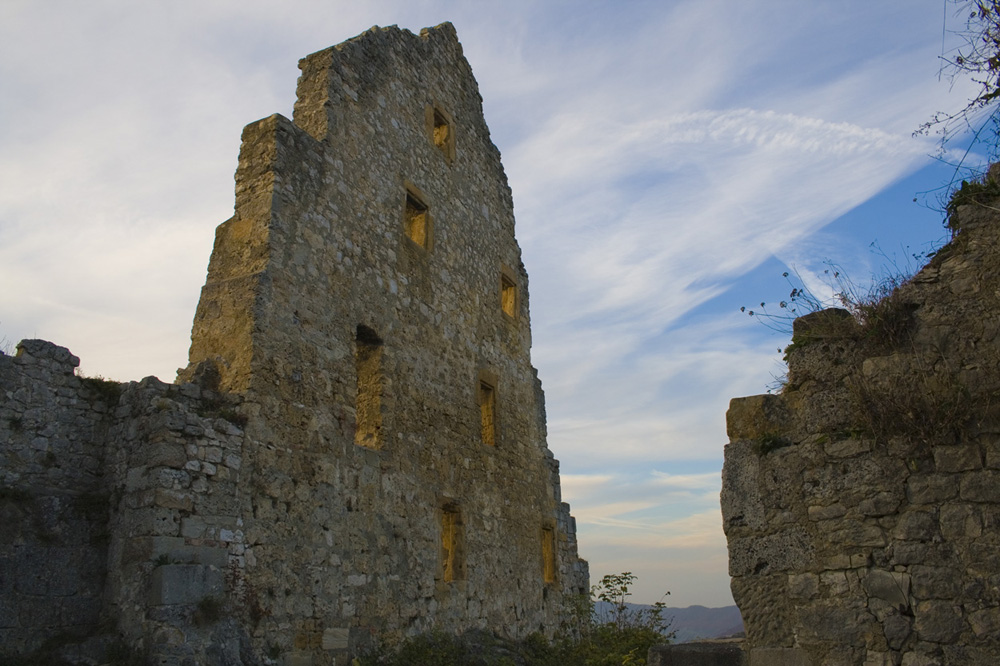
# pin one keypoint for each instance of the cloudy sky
(669, 160)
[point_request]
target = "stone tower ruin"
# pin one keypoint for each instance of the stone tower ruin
(369, 302)
(356, 451)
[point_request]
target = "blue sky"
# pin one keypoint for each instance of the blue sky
(669, 160)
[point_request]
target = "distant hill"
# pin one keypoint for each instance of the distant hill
(695, 622)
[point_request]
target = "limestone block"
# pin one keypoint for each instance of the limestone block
(957, 458)
(960, 520)
(756, 416)
(787, 550)
(890, 586)
(707, 653)
(897, 628)
(981, 486)
(931, 582)
(881, 504)
(803, 586)
(916, 526)
(845, 448)
(986, 622)
(172, 584)
(939, 621)
(826, 512)
(931, 488)
(832, 622)
(336, 638)
(769, 656)
(164, 453)
(742, 504)
(297, 658)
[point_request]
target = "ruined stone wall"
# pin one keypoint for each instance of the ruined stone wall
(119, 513)
(862, 503)
(368, 302)
(53, 502)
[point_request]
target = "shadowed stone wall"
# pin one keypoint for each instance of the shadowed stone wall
(862, 503)
(119, 512)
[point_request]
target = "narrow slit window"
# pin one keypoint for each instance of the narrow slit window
(508, 296)
(548, 555)
(487, 413)
(417, 220)
(368, 408)
(452, 544)
(442, 132)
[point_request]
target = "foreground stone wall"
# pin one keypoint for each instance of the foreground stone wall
(862, 503)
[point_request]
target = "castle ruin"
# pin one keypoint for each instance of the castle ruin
(862, 503)
(356, 451)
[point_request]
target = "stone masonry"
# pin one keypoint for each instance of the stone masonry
(356, 451)
(862, 503)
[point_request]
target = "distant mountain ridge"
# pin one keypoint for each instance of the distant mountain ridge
(693, 622)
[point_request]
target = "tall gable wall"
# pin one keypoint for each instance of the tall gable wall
(861, 504)
(319, 268)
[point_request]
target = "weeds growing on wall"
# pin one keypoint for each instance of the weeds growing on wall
(925, 407)
(983, 192)
(881, 317)
(107, 390)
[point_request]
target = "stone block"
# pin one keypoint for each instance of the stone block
(770, 656)
(935, 582)
(939, 621)
(336, 638)
(834, 623)
(172, 584)
(881, 504)
(803, 586)
(931, 488)
(916, 526)
(957, 458)
(844, 448)
(786, 551)
(890, 586)
(174, 499)
(826, 512)
(297, 658)
(708, 653)
(163, 454)
(986, 622)
(756, 416)
(897, 628)
(981, 486)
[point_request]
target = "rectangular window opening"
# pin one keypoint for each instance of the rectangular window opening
(508, 296)
(416, 220)
(368, 408)
(452, 544)
(442, 133)
(487, 413)
(548, 555)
